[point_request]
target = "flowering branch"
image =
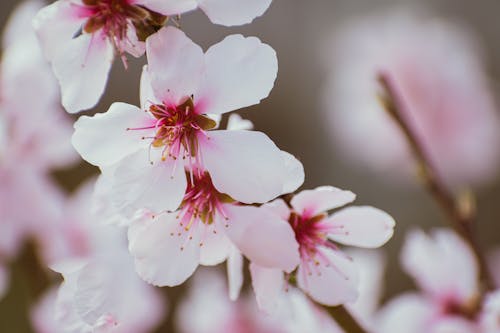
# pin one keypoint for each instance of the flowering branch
(460, 213)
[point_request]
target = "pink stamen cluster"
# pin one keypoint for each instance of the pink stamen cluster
(311, 234)
(202, 203)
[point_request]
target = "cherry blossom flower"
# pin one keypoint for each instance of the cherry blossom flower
(101, 291)
(325, 273)
(148, 150)
(81, 37)
(449, 287)
(448, 103)
(207, 309)
(209, 228)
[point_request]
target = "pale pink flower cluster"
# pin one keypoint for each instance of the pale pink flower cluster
(450, 294)
(34, 140)
(176, 190)
(447, 99)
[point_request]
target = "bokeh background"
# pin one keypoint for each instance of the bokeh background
(293, 117)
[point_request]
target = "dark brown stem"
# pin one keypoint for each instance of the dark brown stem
(461, 217)
(346, 321)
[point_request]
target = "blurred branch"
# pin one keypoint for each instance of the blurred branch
(343, 317)
(459, 211)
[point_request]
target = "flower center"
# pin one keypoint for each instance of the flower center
(310, 233)
(202, 202)
(178, 129)
(114, 17)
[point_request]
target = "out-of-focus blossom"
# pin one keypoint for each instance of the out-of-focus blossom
(35, 130)
(34, 136)
(371, 267)
(80, 37)
(150, 148)
(101, 291)
(447, 99)
(208, 310)
(211, 227)
(446, 271)
(327, 274)
(490, 314)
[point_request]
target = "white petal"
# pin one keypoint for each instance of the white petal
(436, 261)
(409, 313)
(236, 123)
(138, 184)
(295, 173)
(104, 138)
(321, 199)
(156, 247)
(262, 237)
(169, 7)
(146, 91)
(56, 25)
(216, 246)
(175, 65)
(268, 285)
(234, 273)
(280, 208)
(233, 12)
(82, 69)
(361, 226)
(246, 165)
(240, 72)
(329, 284)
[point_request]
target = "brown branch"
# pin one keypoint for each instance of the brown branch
(461, 215)
(343, 317)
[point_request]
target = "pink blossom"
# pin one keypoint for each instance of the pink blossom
(80, 37)
(150, 149)
(446, 271)
(448, 101)
(325, 273)
(207, 309)
(101, 291)
(209, 228)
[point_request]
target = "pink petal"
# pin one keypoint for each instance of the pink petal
(159, 259)
(138, 184)
(169, 7)
(175, 65)
(234, 273)
(215, 248)
(240, 72)
(332, 284)
(321, 199)
(280, 208)
(361, 226)
(82, 69)
(409, 313)
(262, 237)
(435, 262)
(246, 165)
(146, 91)
(42, 314)
(233, 12)
(268, 285)
(103, 139)
(56, 25)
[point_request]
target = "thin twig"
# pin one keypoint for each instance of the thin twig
(346, 321)
(461, 219)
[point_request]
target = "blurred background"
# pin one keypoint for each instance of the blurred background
(294, 116)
